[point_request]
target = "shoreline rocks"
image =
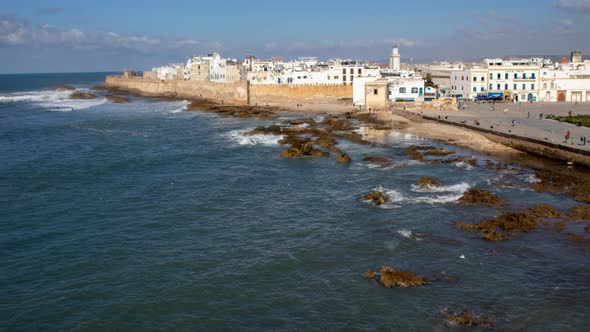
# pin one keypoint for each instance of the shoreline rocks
(427, 182)
(118, 99)
(82, 95)
(504, 226)
(391, 278)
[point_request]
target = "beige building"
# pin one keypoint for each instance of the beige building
(232, 72)
(377, 95)
(150, 75)
(199, 71)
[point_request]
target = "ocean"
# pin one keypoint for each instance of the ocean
(145, 216)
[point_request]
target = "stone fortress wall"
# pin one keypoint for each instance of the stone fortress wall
(238, 93)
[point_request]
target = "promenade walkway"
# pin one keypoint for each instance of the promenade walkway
(522, 120)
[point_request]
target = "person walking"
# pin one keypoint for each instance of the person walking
(568, 134)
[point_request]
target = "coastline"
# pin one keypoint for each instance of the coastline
(405, 122)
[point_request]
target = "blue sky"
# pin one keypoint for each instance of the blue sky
(60, 36)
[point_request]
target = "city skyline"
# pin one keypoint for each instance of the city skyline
(109, 36)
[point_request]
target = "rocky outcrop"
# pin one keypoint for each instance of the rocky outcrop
(439, 152)
(426, 182)
(575, 187)
(343, 158)
(82, 95)
(376, 197)
(270, 130)
(61, 88)
(390, 278)
(118, 99)
(480, 197)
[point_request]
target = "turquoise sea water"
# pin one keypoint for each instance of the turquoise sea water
(143, 217)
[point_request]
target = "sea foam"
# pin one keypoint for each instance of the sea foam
(242, 138)
(441, 195)
(52, 100)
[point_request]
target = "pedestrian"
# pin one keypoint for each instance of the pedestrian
(569, 113)
(513, 123)
(583, 140)
(568, 134)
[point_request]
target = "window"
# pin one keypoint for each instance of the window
(515, 76)
(343, 78)
(474, 89)
(506, 76)
(515, 86)
(360, 71)
(499, 76)
(491, 86)
(343, 71)
(533, 86)
(483, 79)
(545, 85)
(351, 78)
(375, 91)
(351, 71)
(524, 76)
(336, 77)
(402, 90)
(523, 86)
(491, 76)
(461, 78)
(498, 86)
(474, 79)
(483, 89)
(533, 76)
(414, 90)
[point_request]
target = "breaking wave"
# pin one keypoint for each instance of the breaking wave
(52, 100)
(462, 164)
(241, 138)
(442, 195)
(181, 108)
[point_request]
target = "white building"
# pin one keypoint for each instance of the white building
(395, 62)
(516, 79)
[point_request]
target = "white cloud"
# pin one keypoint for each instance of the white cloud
(18, 33)
(574, 5)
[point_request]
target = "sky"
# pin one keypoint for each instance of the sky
(81, 36)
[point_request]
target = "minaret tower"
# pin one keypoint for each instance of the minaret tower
(395, 59)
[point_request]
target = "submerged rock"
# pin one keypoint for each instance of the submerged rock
(297, 122)
(545, 211)
(376, 197)
(82, 95)
(467, 318)
(426, 182)
(390, 278)
(480, 197)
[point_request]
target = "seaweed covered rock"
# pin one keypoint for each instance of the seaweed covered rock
(504, 226)
(439, 152)
(580, 212)
(467, 318)
(390, 277)
(555, 183)
(427, 182)
(376, 197)
(379, 161)
(480, 197)
(415, 152)
(545, 211)
(270, 130)
(298, 122)
(369, 274)
(82, 95)
(343, 158)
